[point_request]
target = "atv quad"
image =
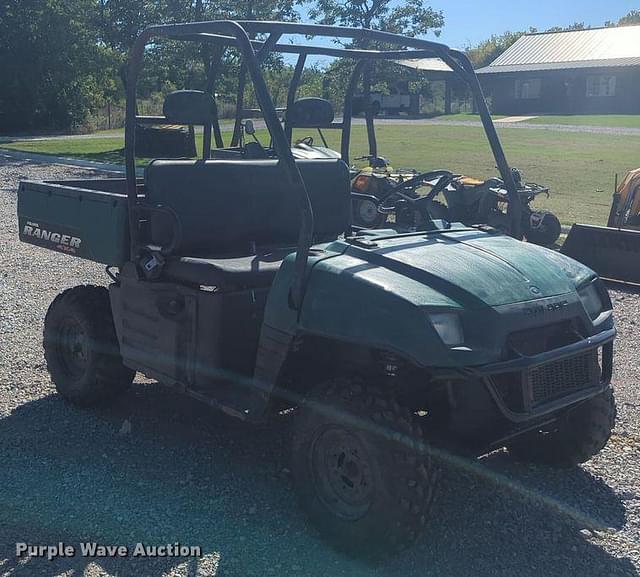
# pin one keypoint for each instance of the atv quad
(379, 191)
(238, 279)
(375, 187)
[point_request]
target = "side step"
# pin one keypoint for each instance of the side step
(611, 252)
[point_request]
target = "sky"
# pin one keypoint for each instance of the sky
(468, 22)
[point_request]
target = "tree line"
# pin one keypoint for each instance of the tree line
(62, 60)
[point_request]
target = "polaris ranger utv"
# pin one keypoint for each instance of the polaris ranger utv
(237, 279)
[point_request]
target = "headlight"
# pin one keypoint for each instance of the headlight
(591, 300)
(361, 183)
(448, 327)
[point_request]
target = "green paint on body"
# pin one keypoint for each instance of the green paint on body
(381, 296)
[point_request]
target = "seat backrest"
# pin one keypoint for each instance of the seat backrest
(225, 206)
(310, 112)
(189, 107)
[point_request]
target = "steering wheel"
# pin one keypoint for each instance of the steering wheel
(444, 179)
(403, 190)
(308, 140)
(374, 161)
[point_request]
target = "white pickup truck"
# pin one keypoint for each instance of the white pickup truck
(389, 103)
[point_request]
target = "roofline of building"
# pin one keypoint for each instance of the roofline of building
(523, 68)
(580, 30)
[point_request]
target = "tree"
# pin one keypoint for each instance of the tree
(631, 19)
(488, 50)
(120, 21)
(412, 17)
(53, 68)
(574, 26)
(179, 64)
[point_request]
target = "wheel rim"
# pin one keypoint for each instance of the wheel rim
(72, 348)
(544, 228)
(537, 222)
(367, 211)
(342, 473)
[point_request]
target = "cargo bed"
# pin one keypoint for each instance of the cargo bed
(84, 218)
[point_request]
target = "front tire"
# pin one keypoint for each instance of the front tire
(366, 215)
(579, 435)
(361, 469)
(543, 228)
(81, 348)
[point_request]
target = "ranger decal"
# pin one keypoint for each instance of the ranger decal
(33, 232)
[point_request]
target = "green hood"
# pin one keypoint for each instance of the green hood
(475, 268)
(379, 291)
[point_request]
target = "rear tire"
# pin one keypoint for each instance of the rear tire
(81, 348)
(361, 469)
(580, 434)
(547, 232)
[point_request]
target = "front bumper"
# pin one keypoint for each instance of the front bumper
(527, 388)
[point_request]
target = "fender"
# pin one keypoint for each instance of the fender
(354, 307)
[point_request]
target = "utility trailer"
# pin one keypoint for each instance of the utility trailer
(238, 279)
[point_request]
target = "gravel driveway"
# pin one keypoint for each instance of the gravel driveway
(184, 473)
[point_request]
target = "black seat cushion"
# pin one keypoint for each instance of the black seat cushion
(226, 206)
(254, 271)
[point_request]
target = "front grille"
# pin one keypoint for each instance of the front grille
(564, 377)
(533, 341)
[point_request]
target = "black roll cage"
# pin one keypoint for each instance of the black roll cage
(240, 34)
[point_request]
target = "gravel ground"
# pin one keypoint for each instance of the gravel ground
(184, 473)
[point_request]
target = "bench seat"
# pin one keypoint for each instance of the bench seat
(236, 272)
(226, 207)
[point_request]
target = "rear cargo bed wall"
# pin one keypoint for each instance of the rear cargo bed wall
(84, 218)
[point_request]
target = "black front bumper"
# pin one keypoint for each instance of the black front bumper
(515, 384)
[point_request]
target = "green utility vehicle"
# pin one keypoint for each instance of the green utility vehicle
(238, 279)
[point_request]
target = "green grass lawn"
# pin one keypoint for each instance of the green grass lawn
(578, 167)
(110, 132)
(610, 120)
(97, 149)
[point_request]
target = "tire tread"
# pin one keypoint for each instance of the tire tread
(413, 471)
(109, 376)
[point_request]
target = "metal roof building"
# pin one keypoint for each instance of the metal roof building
(575, 72)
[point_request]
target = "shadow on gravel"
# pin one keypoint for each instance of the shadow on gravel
(187, 474)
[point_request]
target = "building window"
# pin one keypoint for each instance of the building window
(603, 85)
(529, 88)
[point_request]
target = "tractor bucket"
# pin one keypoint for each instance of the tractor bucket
(611, 252)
